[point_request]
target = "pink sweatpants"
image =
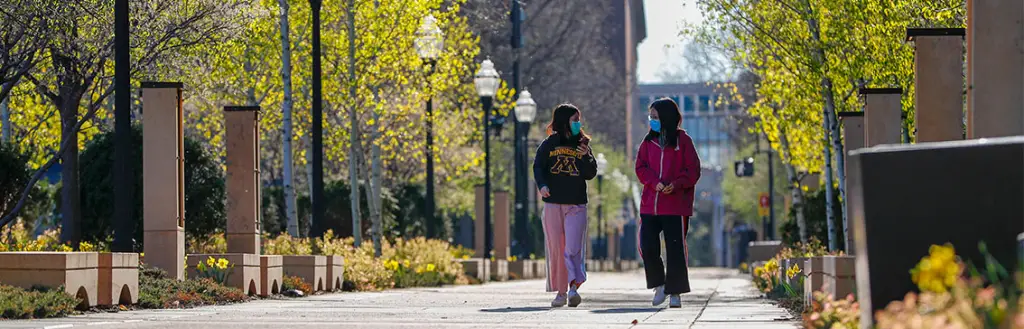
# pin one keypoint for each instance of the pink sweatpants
(565, 239)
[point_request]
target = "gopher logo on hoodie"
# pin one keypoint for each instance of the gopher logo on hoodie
(565, 160)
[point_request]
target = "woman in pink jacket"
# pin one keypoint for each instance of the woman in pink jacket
(668, 166)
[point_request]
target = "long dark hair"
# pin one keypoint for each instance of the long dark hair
(560, 122)
(668, 114)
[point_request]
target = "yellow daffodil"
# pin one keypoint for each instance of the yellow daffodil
(793, 271)
(431, 267)
(201, 266)
(772, 266)
(419, 269)
(758, 271)
(938, 271)
(465, 256)
(222, 263)
(211, 262)
(406, 263)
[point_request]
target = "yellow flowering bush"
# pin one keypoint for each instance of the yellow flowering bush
(938, 271)
(405, 263)
(211, 244)
(16, 237)
(287, 245)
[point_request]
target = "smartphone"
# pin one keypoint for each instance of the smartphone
(585, 141)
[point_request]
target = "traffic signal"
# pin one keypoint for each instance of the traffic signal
(745, 167)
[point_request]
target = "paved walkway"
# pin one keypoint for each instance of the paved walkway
(721, 299)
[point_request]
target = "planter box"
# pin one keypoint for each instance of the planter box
(814, 277)
(522, 268)
(540, 268)
(118, 278)
(271, 275)
(75, 271)
(840, 275)
(335, 272)
(608, 265)
(759, 251)
(245, 275)
(479, 268)
(311, 269)
(499, 270)
(900, 205)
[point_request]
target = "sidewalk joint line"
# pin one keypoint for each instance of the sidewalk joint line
(706, 303)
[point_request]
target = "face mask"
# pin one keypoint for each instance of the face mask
(575, 126)
(655, 125)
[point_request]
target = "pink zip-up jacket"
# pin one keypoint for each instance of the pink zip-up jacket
(679, 166)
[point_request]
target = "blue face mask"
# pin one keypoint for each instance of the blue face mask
(655, 125)
(575, 127)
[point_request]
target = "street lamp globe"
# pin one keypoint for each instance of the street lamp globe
(526, 108)
(429, 39)
(486, 79)
(601, 164)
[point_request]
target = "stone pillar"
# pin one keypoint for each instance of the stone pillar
(501, 225)
(478, 224)
(242, 138)
(853, 138)
(882, 113)
(938, 83)
(996, 68)
(163, 181)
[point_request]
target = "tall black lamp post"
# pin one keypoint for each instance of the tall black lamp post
(317, 197)
(601, 229)
(123, 168)
(429, 45)
(526, 111)
(487, 81)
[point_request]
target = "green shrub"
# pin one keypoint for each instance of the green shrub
(14, 176)
(814, 215)
(204, 189)
(156, 291)
(17, 303)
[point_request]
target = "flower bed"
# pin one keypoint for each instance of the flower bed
(418, 262)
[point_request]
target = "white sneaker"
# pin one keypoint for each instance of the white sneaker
(675, 302)
(559, 301)
(659, 295)
(574, 298)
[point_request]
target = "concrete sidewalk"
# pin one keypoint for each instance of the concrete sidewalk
(720, 299)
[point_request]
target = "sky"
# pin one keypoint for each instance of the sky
(664, 19)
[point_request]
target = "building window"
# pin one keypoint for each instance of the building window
(704, 102)
(687, 104)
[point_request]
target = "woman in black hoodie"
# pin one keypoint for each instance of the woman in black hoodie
(562, 167)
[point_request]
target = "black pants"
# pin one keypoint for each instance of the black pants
(676, 278)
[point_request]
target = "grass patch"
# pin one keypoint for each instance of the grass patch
(17, 303)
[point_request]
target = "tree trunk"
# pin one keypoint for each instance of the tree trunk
(354, 129)
(373, 191)
(5, 120)
(304, 231)
(286, 118)
(840, 154)
(828, 113)
(71, 215)
(794, 184)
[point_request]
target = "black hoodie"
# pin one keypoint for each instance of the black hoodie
(564, 170)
